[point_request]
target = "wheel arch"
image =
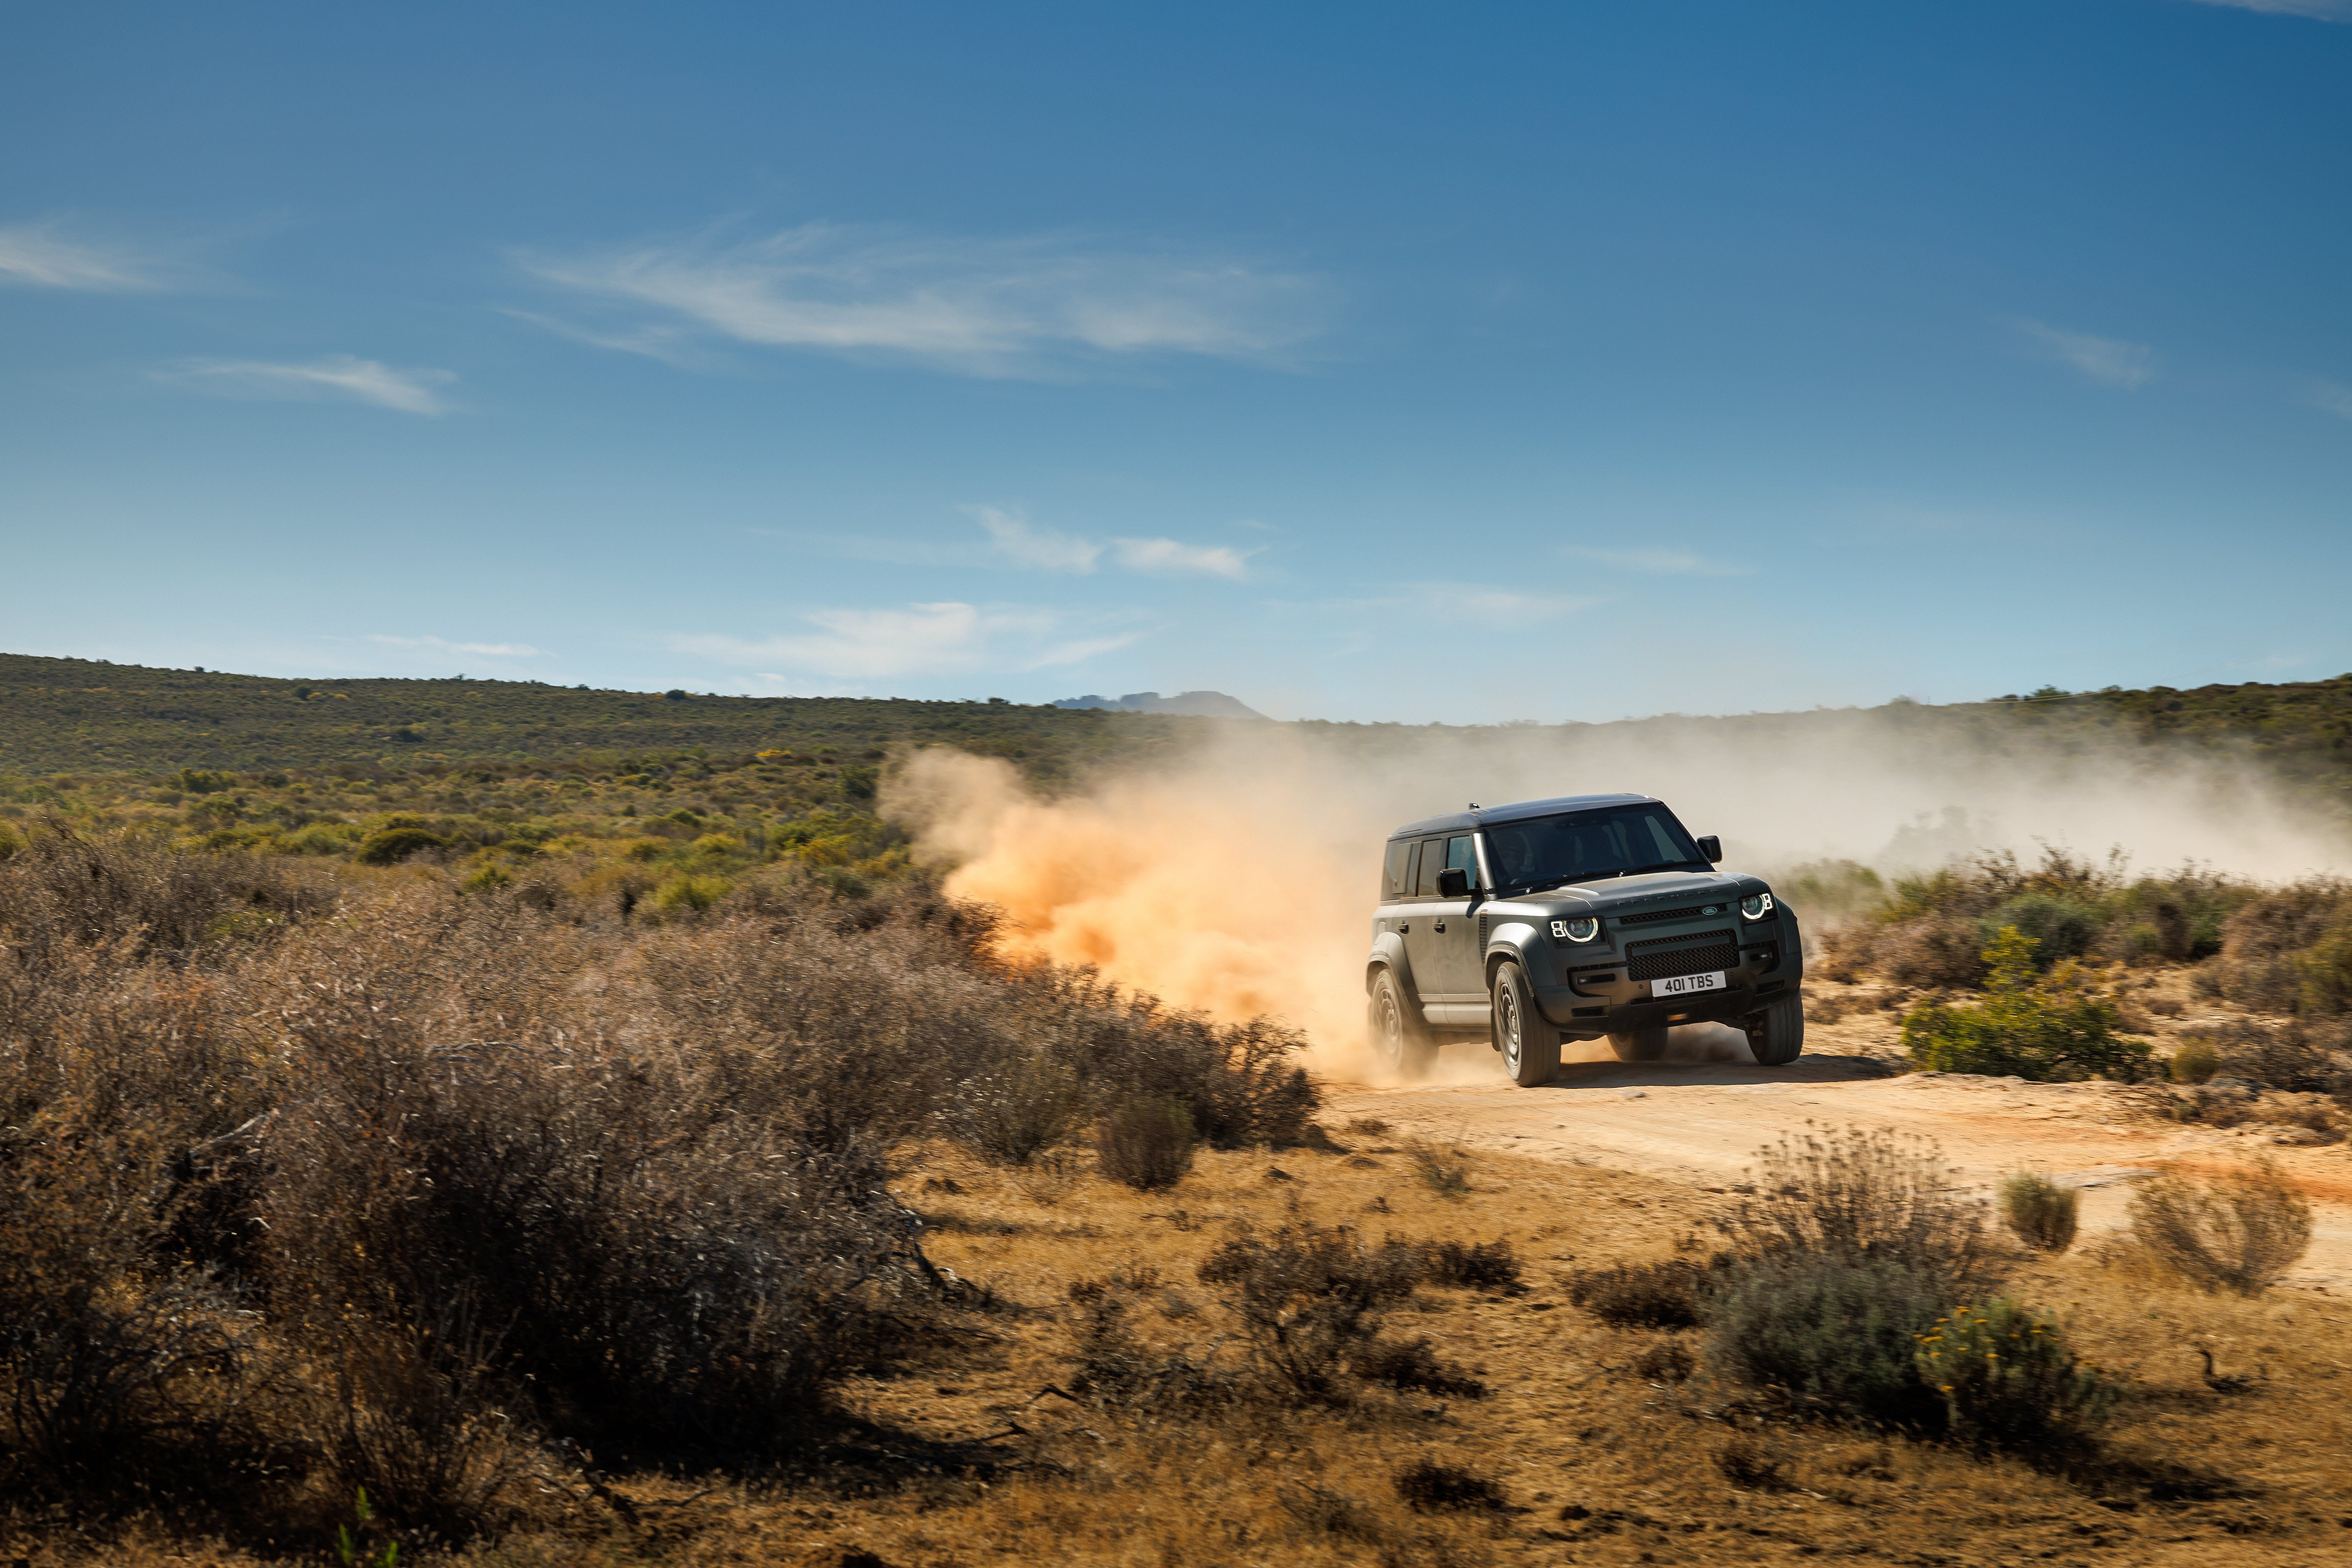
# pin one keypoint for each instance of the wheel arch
(1512, 941)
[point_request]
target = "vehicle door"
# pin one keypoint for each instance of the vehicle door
(1455, 926)
(1425, 913)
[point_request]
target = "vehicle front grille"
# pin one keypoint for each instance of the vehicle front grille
(1682, 961)
(1647, 916)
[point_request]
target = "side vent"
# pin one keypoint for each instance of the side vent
(1482, 931)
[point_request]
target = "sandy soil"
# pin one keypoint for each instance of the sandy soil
(1700, 1117)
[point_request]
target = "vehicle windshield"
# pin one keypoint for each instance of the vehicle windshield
(1608, 841)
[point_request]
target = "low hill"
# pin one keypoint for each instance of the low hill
(64, 715)
(61, 715)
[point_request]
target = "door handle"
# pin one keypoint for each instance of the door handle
(1440, 927)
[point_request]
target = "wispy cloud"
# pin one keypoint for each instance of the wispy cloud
(2333, 397)
(1037, 306)
(337, 375)
(1012, 535)
(1018, 540)
(917, 640)
(2116, 361)
(49, 254)
(1461, 602)
(2317, 10)
(1667, 562)
(436, 645)
(1168, 557)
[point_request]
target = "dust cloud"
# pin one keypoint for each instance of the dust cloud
(1240, 879)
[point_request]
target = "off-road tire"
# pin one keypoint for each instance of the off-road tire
(1400, 1040)
(1640, 1045)
(1529, 1044)
(1776, 1036)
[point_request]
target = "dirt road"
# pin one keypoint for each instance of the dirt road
(1701, 1118)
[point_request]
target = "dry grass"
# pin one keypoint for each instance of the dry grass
(1594, 1459)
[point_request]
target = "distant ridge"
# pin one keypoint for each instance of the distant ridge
(1196, 704)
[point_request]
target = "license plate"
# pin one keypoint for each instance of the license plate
(1685, 984)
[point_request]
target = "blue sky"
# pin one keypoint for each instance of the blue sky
(1461, 363)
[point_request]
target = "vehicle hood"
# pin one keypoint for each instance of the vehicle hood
(1652, 890)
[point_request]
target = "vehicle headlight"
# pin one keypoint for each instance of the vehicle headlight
(1756, 905)
(1576, 931)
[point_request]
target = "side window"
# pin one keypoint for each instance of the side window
(1432, 862)
(1462, 855)
(1395, 878)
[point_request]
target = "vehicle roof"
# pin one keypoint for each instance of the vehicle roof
(1486, 814)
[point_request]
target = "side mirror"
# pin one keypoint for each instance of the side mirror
(1453, 882)
(1712, 848)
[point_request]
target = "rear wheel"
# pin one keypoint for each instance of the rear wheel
(1399, 1037)
(1776, 1037)
(1647, 1045)
(1529, 1044)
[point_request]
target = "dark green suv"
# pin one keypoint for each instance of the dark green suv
(1592, 916)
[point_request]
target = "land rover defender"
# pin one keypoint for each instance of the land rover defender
(1589, 917)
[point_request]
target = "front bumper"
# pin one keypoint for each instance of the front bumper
(1601, 997)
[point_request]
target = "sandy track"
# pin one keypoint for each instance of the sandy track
(1701, 1121)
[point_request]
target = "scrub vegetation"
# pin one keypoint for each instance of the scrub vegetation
(634, 1158)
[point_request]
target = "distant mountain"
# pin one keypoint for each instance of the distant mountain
(1198, 704)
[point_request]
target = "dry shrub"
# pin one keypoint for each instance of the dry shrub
(1442, 1170)
(1145, 1142)
(1932, 952)
(449, 1180)
(2239, 1233)
(1328, 1512)
(122, 1367)
(2043, 1213)
(1473, 1265)
(1864, 1197)
(1667, 1361)
(1641, 1295)
(1428, 1486)
(1311, 1301)
(1114, 1367)
(1024, 1108)
(417, 1422)
(2286, 1058)
(141, 898)
(1751, 1462)
(1414, 1364)
(2263, 940)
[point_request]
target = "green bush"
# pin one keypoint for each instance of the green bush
(694, 894)
(2194, 1062)
(2008, 1378)
(394, 845)
(2042, 1212)
(2325, 971)
(2060, 927)
(1827, 1336)
(2047, 1028)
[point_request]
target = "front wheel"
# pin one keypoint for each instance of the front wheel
(1529, 1044)
(1776, 1037)
(1399, 1037)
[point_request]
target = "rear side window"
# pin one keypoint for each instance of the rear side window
(1432, 862)
(1396, 876)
